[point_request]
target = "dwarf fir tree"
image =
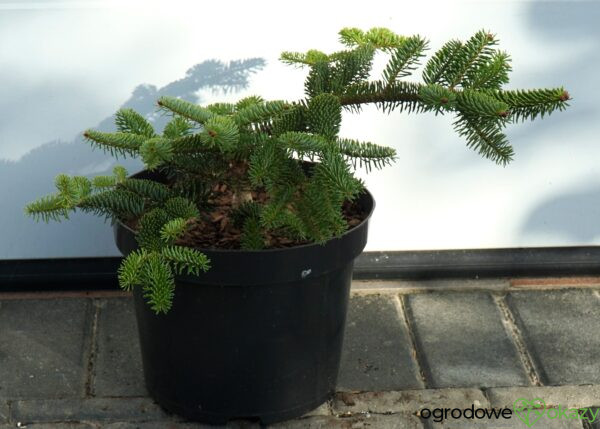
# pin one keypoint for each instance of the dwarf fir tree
(255, 145)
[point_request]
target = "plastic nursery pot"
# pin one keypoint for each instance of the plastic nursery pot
(258, 336)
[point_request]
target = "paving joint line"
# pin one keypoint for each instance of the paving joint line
(330, 406)
(513, 331)
(93, 351)
(400, 304)
(484, 392)
(9, 408)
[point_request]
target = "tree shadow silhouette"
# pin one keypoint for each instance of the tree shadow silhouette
(32, 175)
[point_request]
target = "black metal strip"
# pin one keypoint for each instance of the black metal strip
(100, 273)
(26, 275)
(474, 263)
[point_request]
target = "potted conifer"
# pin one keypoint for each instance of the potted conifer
(239, 236)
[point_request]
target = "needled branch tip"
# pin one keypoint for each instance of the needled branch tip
(564, 96)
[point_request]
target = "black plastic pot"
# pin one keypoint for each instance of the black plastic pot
(258, 336)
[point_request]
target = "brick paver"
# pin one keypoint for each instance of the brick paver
(463, 341)
(561, 328)
(44, 346)
(377, 352)
(118, 369)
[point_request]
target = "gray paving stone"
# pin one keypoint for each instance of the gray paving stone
(463, 341)
(371, 421)
(43, 347)
(553, 396)
(408, 401)
(376, 354)
(118, 367)
(561, 328)
(92, 409)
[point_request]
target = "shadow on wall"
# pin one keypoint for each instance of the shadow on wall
(573, 217)
(32, 176)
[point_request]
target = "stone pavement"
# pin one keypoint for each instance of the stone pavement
(412, 349)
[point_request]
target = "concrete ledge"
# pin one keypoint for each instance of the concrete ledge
(395, 421)
(170, 425)
(407, 401)
(56, 426)
(567, 396)
(92, 409)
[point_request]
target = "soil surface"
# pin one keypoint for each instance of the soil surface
(216, 230)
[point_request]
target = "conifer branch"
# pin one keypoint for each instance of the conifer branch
(131, 271)
(366, 154)
(186, 109)
(380, 38)
(177, 127)
(486, 138)
(180, 207)
(475, 52)
(259, 112)
(480, 105)
(324, 115)
(156, 152)
(47, 208)
(401, 95)
(252, 234)
(117, 203)
(131, 122)
(438, 98)
(173, 229)
(304, 143)
(115, 143)
(529, 104)
(190, 144)
(221, 133)
(186, 259)
(159, 284)
(438, 67)
(145, 188)
(309, 58)
(404, 59)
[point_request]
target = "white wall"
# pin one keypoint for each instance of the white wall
(69, 65)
